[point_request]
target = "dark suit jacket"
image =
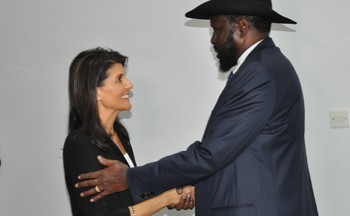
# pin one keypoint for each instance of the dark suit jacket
(251, 160)
(80, 156)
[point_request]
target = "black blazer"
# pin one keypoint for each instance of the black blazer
(251, 160)
(80, 156)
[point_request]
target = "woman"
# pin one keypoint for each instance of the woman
(98, 91)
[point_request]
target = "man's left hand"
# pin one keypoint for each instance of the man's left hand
(104, 182)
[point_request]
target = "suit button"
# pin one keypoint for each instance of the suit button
(147, 195)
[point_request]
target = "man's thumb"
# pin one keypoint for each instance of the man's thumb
(105, 161)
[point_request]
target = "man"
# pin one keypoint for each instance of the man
(252, 158)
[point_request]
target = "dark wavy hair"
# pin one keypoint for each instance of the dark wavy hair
(87, 72)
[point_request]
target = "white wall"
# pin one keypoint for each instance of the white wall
(323, 64)
(176, 86)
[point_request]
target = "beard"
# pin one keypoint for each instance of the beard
(228, 54)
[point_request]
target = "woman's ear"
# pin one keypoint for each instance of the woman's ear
(98, 94)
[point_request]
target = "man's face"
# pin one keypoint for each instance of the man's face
(223, 42)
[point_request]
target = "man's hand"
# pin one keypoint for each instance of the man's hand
(104, 182)
(187, 199)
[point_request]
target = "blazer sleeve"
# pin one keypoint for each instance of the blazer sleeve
(80, 157)
(243, 108)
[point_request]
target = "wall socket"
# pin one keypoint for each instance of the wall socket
(339, 118)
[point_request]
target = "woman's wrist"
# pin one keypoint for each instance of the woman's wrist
(173, 197)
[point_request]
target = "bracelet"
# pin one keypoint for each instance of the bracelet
(133, 211)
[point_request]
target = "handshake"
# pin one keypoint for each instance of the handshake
(184, 200)
(113, 179)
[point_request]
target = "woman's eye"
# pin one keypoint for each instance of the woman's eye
(119, 78)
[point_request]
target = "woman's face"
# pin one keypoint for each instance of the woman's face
(113, 95)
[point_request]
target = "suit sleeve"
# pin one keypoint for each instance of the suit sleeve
(243, 109)
(80, 157)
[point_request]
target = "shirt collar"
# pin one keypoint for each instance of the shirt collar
(242, 58)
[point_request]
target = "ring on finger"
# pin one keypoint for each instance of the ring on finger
(97, 189)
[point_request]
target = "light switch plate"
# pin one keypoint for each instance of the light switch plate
(339, 118)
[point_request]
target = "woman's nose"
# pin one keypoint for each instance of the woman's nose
(129, 84)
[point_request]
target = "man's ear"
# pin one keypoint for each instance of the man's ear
(243, 27)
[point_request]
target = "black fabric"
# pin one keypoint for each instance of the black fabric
(251, 160)
(238, 7)
(80, 156)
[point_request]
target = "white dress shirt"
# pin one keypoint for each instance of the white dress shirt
(242, 58)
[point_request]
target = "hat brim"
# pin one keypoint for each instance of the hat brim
(229, 7)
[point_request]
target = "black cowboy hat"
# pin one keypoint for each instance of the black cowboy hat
(261, 8)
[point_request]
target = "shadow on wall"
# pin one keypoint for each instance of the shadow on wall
(281, 27)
